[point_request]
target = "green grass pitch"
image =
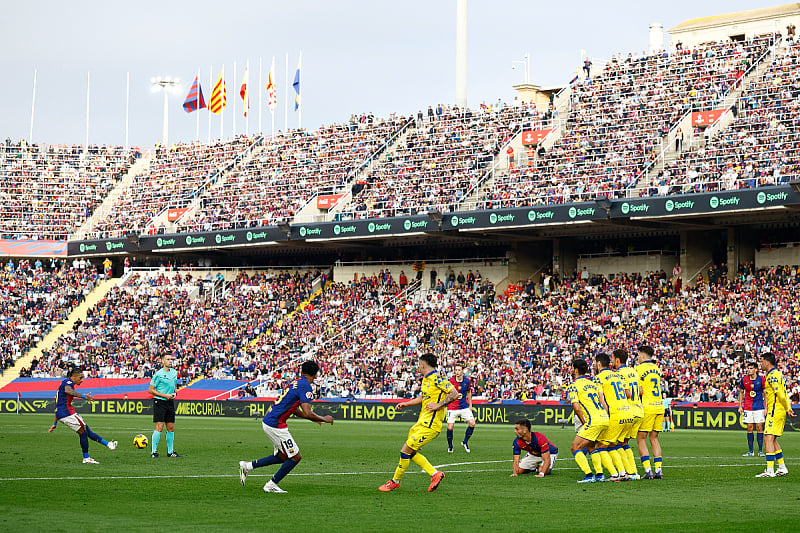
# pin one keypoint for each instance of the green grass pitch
(44, 486)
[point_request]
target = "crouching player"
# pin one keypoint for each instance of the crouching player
(541, 453)
(591, 409)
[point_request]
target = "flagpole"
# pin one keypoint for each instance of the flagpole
(211, 86)
(272, 108)
(259, 95)
(88, 85)
(197, 135)
(127, 105)
(247, 98)
(33, 108)
(234, 101)
(286, 102)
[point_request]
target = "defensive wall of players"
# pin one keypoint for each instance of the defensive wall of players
(684, 417)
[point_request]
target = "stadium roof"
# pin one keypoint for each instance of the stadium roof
(764, 13)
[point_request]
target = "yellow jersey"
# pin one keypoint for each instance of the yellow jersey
(434, 389)
(775, 398)
(586, 393)
(631, 381)
(614, 391)
(650, 382)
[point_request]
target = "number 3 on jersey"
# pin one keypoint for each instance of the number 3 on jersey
(656, 387)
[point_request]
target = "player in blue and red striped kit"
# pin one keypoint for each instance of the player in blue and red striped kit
(66, 414)
(296, 400)
(751, 406)
(541, 453)
(462, 407)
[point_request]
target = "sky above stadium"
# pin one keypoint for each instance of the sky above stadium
(357, 57)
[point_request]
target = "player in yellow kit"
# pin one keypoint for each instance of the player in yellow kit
(777, 406)
(620, 418)
(591, 409)
(630, 378)
(653, 407)
(436, 392)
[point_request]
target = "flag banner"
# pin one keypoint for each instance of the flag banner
(535, 136)
(219, 97)
(194, 100)
(272, 93)
(243, 92)
(707, 118)
(296, 86)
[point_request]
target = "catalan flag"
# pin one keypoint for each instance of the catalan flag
(219, 97)
(272, 93)
(296, 85)
(243, 92)
(194, 100)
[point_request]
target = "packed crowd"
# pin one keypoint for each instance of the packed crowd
(439, 162)
(759, 148)
(35, 297)
(291, 169)
(618, 120)
(173, 179)
(125, 334)
(48, 191)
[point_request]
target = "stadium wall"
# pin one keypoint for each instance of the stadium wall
(627, 263)
(493, 270)
(789, 255)
(706, 416)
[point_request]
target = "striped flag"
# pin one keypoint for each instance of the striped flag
(296, 85)
(219, 97)
(243, 92)
(272, 93)
(194, 100)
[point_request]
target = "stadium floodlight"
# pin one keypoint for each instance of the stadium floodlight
(526, 66)
(166, 84)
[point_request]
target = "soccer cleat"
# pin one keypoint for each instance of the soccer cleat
(588, 478)
(466, 448)
(389, 486)
(599, 478)
(615, 478)
(634, 477)
(766, 473)
(624, 477)
(243, 470)
(154, 455)
(450, 450)
(648, 475)
(782, 471)
(273, 487)
(748, 454)
(762, 454)
(658, 475)
(89, 461)
(174, 454)
(112, 445)
(436, 478)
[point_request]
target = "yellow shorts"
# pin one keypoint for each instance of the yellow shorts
(637, 423)
(652, 422)
(618, 428)
(419, 436)
(774, 424)
(592, 431)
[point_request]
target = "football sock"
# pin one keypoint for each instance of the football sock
(405, 460)
(95, 437)
(597, 462)
(608, 463)
(646, 462)
(750, 440)
(285, 468)
(170, 441)
(770, 463)
(449, 438)
(468, 434)
(84, 438)
(154, 440)
(616, 458)
(760, 438)
(779, 456)
(657, 463)
(423, 463)
(583, 462)
(266, 461)
(628, 460)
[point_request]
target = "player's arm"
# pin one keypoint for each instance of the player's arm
(409, 403)
(53, 427)
(544, 468)
(451, 396)
(75, 394)
(603, 399)
(515, 469)
(783, 399)
(741, 400)
(304, 411)
(576, 406)
(469, 398)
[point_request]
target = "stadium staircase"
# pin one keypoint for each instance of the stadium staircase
(79, 313)
(141, 165)
(669, 153)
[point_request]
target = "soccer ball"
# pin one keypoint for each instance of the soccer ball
(140, 441)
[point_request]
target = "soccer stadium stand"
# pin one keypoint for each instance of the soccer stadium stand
(47, 191)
